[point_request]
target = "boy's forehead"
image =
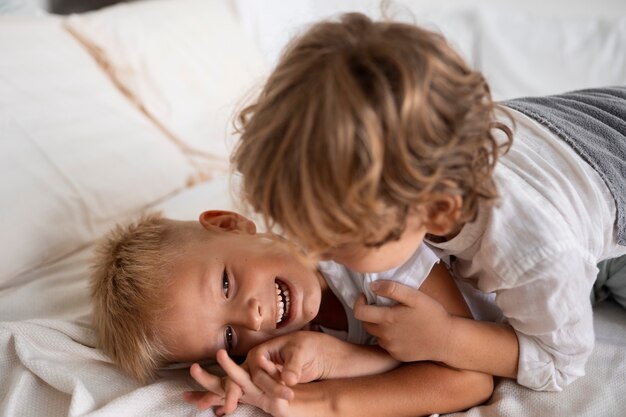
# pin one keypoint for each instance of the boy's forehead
(187, 263)
(186, 301)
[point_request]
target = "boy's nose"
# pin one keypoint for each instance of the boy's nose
(251, 315)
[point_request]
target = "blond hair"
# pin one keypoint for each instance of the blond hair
(360, 122)
(129, 277)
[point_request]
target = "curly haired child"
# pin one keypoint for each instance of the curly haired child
(370, 137)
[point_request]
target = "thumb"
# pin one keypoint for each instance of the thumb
(360, 301)
(290, 378)
(393, 290)
(292, 366)
(291, 374)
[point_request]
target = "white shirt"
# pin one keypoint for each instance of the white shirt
(537, 251)
(347, 285)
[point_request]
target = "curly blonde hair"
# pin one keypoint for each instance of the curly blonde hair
(130, 275)
(360, 122)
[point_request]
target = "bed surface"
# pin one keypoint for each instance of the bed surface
(94, 131)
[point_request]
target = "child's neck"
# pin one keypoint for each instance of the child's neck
(449, 236)
(331, 313)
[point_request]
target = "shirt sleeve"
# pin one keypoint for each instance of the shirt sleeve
(550, 311)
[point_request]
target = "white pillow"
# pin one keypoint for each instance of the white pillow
(525, 55)
(75, 154)
(532, 47)
(188, 63)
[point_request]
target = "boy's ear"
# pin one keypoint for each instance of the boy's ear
(227, 221)
(442, 214)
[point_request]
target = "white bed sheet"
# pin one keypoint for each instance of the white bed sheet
(48, 366)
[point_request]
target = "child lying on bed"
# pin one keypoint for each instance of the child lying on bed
(182, 291)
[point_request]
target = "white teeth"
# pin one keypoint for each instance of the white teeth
(282, 307)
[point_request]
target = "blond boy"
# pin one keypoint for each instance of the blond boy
(181, 291)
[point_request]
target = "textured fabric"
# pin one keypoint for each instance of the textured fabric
(49, 368)
(599, 393)
(611, 281)
(537, 251)
(593, 123)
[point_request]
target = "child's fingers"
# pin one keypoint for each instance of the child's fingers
(202, 399)
(369, 313)
(294, 361)
(233, 394)
(193, 396)
(263, 364)
(270, 385)
(360, 301)
(373, 329)
(208, 381)
(235, 372)
(393, 290)
(209, 400)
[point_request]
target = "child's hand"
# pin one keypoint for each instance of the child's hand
(223, 392)
(287, 360)
(415, 329)
(236, 387)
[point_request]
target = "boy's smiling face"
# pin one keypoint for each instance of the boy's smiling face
(234, 290)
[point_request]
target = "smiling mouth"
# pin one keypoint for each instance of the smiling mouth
(283, 302)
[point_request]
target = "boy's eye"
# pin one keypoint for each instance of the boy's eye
(228, 338)
(225, 283)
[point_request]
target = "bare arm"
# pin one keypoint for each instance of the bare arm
(420, 388)
(487, 347)
(482, 346)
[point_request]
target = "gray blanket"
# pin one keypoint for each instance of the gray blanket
(593, 123)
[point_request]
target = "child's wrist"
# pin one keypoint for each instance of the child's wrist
(445, 350)
(319, 399)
